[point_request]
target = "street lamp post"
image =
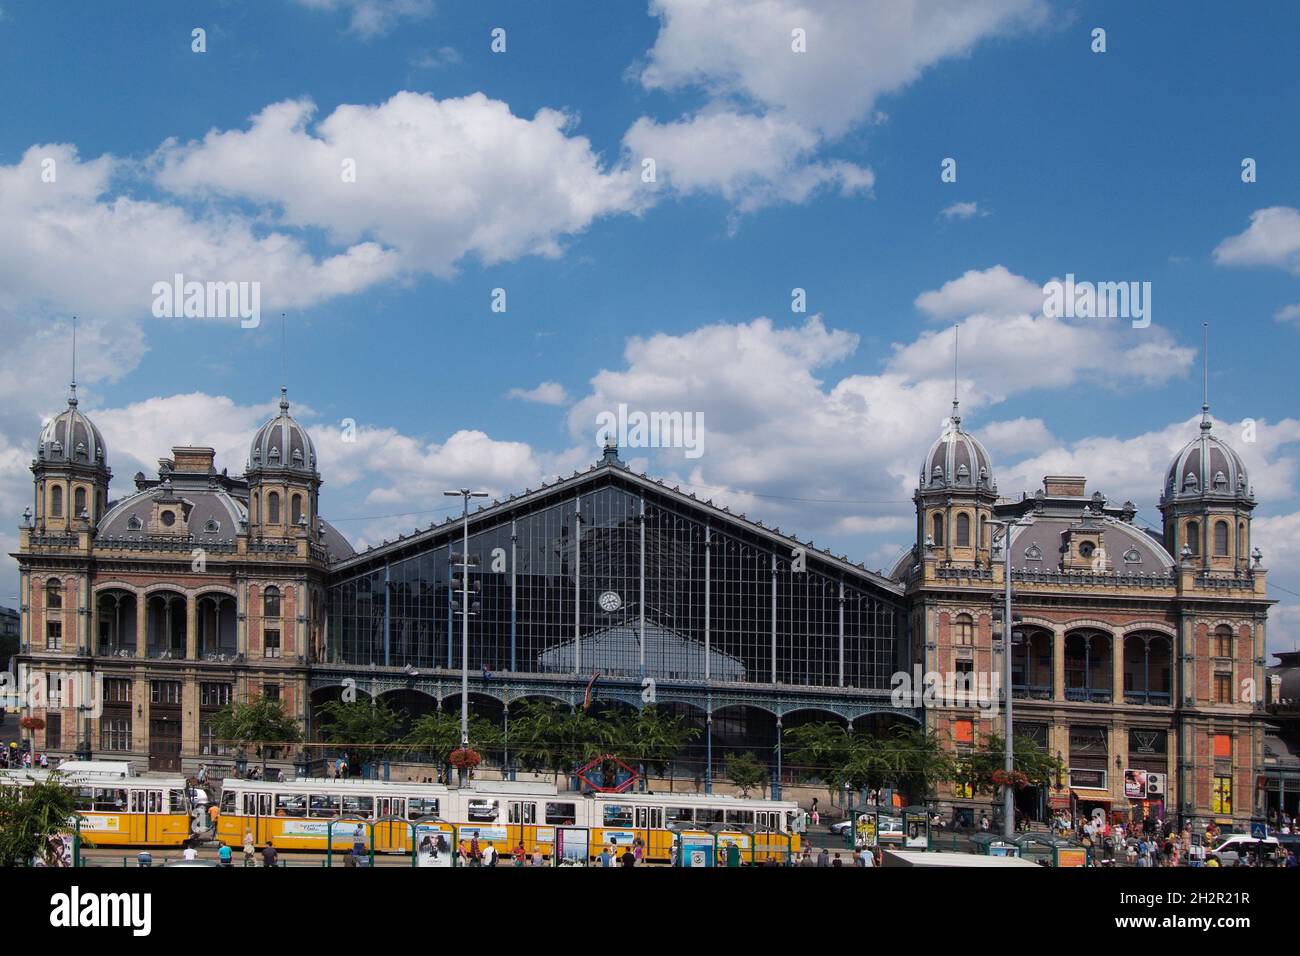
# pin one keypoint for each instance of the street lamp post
(1009, 760)
(464, 494)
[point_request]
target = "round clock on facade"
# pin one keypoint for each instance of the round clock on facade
(610, 602)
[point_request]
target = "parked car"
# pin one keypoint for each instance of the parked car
(841, 827)
(1232, 847)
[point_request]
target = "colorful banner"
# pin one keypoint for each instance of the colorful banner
(433, 843)
(343, 833)
(1135, 784)
(101, 824)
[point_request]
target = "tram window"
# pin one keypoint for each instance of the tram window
(84, 799)
(482, 811)
(323, 805)
(250, 804)
(264, 804)
(137, 801)
(108, 800)
(741, 817)
(561, 813)
(359, 806)
(705, 815)
(291, 805)
(155, 801)
(421, 807)
(681, 815)
(176, 801)
(227, 802)
(617, 815)
(523, 812)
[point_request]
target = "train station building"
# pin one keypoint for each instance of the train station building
(1137, 655)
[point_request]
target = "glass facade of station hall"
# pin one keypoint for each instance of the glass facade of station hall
(605, 574)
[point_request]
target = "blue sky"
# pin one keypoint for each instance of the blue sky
(776, 170)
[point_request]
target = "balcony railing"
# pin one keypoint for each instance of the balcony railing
(162, 542)
(1153, 698)
(1095, 695)
(120, 650)
(52, 540)
(1032, 691)
(1094, 579)
(1212, 583)
(272, 547)
(165, 653)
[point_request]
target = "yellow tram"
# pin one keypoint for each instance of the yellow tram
(116, 807)
(303, 814)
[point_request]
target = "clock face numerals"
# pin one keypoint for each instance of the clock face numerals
(610, 602)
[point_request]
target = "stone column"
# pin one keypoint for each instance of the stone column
(141, 625)
(191, 627)
(1058, 665)
(1117, 668)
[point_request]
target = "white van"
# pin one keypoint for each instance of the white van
(1232, 847)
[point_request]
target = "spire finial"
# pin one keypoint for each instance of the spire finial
(956, 416)
(72, 389)
(284, 398)
(1205, 380)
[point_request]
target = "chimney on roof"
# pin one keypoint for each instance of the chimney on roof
(1064, 486)
(193, 460)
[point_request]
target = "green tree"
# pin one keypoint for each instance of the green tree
(261, 725)
(977, 768)
(745, 771)
(919, 762)
(435, 735)
(539, 736)
(653, 738)
(30, 816)
(358, 726)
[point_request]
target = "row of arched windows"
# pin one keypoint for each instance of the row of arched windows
(1222, 536)
(56, 501)
(961, 534)
(273, 508)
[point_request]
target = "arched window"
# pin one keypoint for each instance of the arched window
(1194, 537)
(56, 502)
(1221, 538)
(1241, 541)
(53, 596)
(963, 530)
(272, 508)
(963, 631)
(983, 526)
(936, 525)
(296, 510)
(1223, 641)
(271, 602)
(78, 502)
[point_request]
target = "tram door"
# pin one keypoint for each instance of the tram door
(147, 804)
(647, 819)
(392, 836)
(767, 820)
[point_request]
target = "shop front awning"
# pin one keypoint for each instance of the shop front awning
(1092, 796)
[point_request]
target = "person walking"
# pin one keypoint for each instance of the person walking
(224, 855)
(733, 854)
(249, 848)
(359, 840)
(269, 856)
(824, 857)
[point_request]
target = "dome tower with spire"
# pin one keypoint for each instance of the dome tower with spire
(71, 471)
(955, 498)
(1207, 502)
(283, 481)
